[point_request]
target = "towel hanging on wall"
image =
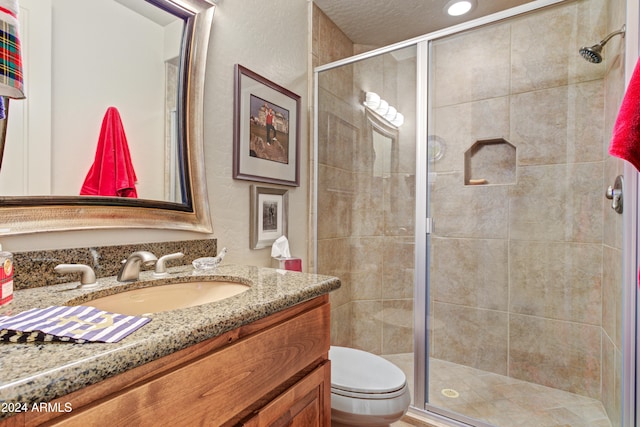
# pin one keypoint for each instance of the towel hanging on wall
(625, 142)
(11, 76)
(112, 172)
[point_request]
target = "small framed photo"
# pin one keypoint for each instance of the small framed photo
(266, 130)
(269, 211)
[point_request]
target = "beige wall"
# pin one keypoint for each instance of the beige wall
(272, 41)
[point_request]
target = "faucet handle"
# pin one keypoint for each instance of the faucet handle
(161, 267)
(88, 278)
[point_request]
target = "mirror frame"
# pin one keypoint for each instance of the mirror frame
(21, 215)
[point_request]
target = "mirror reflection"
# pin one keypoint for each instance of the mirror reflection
(383, 138)
(83, 59)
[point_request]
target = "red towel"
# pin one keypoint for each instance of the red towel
(112, 172)
(625, 142)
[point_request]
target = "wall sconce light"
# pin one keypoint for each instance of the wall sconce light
(373, 102)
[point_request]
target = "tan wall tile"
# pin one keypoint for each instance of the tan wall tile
(470, 272)
(397, 326)
(472, 337)
(559, 354)
(556, 280)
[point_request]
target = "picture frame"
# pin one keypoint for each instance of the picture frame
(269, 215)
(266, 135)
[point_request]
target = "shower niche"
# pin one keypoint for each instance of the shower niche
(490, 161)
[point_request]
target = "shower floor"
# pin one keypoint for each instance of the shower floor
(503, 401)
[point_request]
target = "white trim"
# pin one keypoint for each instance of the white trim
(630, 396)
(314, 187)
(629, 295)
(420, 342)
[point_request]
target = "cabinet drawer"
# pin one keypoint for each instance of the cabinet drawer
(305, 404)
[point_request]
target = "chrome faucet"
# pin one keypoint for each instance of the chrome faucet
(130, 269)
(88, 278)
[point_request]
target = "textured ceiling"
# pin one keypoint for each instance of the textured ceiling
(384, 22)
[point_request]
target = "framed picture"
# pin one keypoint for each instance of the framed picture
(269, 211)
(266, 130)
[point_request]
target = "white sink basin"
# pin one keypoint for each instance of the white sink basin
(167, 297)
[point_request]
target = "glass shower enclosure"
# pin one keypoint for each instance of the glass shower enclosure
(474, 242)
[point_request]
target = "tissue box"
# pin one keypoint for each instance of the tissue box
(291, 264)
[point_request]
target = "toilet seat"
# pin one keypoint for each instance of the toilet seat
(362, 375)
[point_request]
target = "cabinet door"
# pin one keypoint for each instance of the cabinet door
(306, 404)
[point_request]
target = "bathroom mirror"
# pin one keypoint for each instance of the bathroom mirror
(176, 198)
(383, 138)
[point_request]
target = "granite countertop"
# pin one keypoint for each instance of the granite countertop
(40, 372)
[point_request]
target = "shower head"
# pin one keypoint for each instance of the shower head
(592, 54)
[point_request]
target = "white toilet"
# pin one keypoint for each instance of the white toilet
(366, 390)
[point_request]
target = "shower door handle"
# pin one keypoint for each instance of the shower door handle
(614, 193)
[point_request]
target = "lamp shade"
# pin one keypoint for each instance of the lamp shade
(372, 100)
(11, 76)
(382, 108)
(391, 113)
(398, 120)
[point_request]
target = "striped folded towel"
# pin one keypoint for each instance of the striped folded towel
(11, 76)
(77, 324)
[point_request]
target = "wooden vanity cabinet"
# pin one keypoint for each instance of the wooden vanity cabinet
(273, 372)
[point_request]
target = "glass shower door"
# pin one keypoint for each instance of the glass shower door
(524, 277)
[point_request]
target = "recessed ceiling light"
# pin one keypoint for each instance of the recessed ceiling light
(459, 7)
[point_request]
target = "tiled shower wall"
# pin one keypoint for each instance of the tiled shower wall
(525, 275)
(365, 222)
(335, 190)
